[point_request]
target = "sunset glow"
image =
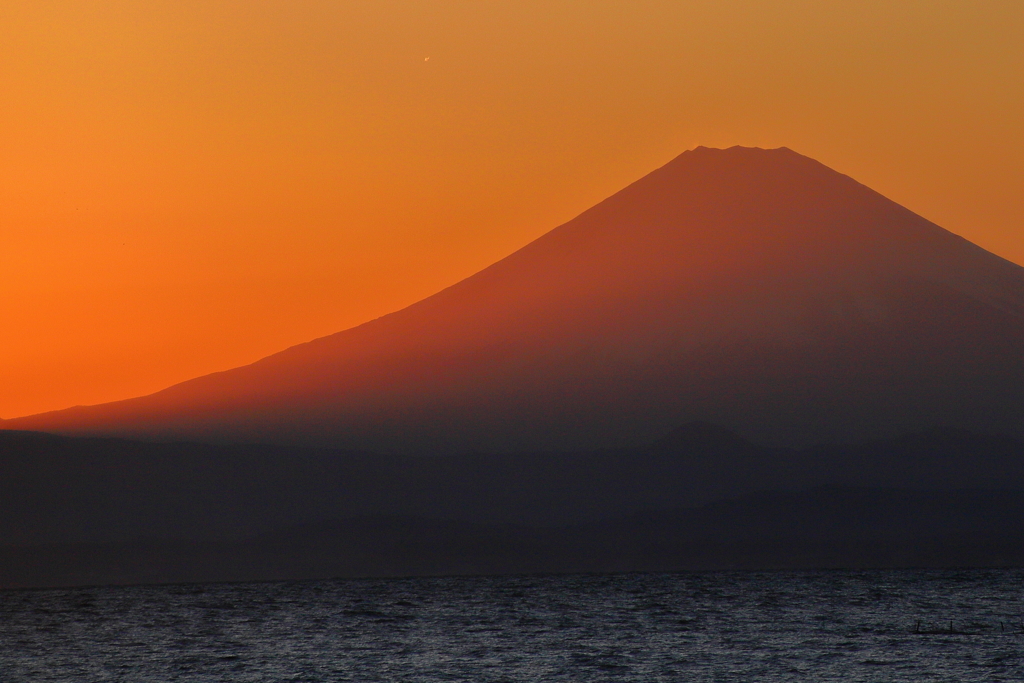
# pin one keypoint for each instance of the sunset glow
(190, 186)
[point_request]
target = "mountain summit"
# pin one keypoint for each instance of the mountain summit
(756, 289)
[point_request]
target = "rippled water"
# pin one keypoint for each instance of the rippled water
(849, 626)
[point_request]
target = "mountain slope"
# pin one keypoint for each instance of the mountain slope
(757, 289)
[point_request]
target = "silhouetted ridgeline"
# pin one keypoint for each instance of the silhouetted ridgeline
(115, 511)
(756, 289)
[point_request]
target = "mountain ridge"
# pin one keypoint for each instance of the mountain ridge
(753, 288)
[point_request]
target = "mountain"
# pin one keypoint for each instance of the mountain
(756, 289)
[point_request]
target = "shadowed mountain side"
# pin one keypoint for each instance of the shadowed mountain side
(819, 528)
(753, 288)
(71, 490)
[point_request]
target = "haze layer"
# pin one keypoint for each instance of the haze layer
(753, 288)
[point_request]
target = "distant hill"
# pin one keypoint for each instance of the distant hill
(63, 489)
(810, 529)
(752, 288)
(100, 510)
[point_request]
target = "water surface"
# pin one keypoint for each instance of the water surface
(720, 626)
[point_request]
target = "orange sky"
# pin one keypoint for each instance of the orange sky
(189, 185)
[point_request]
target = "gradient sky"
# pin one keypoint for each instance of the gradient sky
(190, 185)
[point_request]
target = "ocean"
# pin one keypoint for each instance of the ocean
(697, 626)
